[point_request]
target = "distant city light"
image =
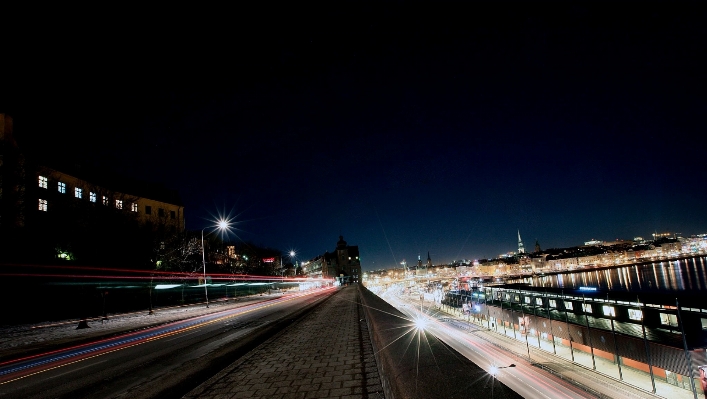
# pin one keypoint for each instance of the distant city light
(587, 288)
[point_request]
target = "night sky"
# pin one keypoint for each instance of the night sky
(406, 127)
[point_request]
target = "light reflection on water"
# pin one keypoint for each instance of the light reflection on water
(684, 275)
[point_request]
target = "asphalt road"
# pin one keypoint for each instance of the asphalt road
(166, 361)
(526, 380)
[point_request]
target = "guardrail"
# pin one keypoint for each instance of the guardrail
(512, 352)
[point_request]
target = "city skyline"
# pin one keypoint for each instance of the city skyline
(405, 128)
(530, 250)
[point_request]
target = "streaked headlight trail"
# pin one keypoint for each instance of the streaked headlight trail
(16, 369)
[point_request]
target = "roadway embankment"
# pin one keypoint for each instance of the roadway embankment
(414, 364)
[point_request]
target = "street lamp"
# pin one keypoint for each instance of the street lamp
(292, 256)
(222, 225)
(494, 371)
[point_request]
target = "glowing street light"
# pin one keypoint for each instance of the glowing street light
(420, 323)
(222, 225)
(493, 371)
(292, 255)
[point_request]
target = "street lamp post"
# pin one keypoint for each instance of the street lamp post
(203, 260)
(222, 225)
(292, 256)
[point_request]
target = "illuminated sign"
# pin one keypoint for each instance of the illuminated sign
(268, 260)
(587, 288)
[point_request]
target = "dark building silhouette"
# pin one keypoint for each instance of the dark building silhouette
(343, 264)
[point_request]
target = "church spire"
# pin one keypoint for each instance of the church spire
(521, 249)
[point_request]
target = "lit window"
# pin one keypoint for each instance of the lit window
(609, 311)
(78, 192)
(704, 324)
(105, 200)
(92, 197)
(43, 182)
(668, 319)
(43, 205)
(568, 305)
(62, 187)
(526, 299)
(119, 204)
(539, 301)
(553, 304)
(587, 307)
(635, 314)
(134, 207)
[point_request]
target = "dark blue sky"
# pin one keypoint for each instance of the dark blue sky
(406, 127)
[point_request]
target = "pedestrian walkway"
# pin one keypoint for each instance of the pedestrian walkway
(327, 354)
(573, 365)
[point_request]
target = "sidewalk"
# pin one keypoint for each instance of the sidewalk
(328, 354)
(573, 365)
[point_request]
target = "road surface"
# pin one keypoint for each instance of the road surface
(158, 362)
(523, 378)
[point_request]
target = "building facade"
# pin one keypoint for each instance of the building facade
(56, 205)
(343, 264)
(658, 334)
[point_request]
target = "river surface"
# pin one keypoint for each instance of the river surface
(681, 275)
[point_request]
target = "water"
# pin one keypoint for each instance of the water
(684, 275)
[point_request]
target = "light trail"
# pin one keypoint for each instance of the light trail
(17, 369)
(488, 356)
(147, 274)
(127, 314)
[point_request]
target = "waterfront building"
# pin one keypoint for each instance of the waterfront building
(660, 329)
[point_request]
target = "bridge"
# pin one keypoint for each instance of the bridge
(313, 340)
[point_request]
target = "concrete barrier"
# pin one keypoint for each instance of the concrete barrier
(427, 371)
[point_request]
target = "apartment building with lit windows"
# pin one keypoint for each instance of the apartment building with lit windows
(148, 203)
(43, 200)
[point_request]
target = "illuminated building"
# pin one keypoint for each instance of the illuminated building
(659, 333)
(58, 205)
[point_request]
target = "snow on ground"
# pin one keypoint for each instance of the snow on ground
(19, 338)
